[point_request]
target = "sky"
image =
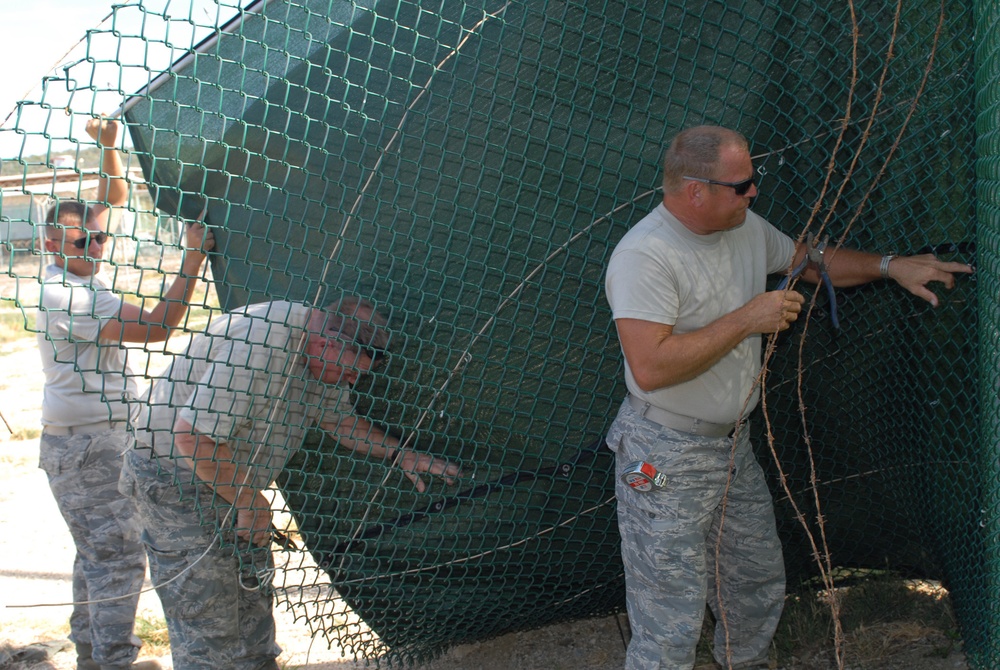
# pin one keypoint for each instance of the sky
(35, 36)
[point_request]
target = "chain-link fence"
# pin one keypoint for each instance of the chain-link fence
(469, 166)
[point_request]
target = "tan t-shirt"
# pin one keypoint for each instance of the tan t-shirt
(662, 272)
(85, 381)
(244, 381)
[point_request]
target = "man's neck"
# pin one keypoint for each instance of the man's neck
(684, 215)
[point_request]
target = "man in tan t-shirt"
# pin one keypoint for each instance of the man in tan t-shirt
(686, 287)
(217, 429)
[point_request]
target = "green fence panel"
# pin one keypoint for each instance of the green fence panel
(984, 620)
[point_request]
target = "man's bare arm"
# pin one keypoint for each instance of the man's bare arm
(112, 188)
(135, 324)
(213, 463)
(849, 267)
(361, 436)
(658, 358)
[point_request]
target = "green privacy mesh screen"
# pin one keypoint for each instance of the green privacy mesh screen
(468, 167)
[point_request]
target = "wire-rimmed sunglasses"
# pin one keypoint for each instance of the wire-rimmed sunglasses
(740, 187)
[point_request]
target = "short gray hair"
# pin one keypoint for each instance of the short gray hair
(356, 320)
(694, 152)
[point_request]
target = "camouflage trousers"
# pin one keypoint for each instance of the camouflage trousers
(110, 564)
(705, 537)
(215, 621)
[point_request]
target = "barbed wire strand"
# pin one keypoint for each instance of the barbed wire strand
(825, 563)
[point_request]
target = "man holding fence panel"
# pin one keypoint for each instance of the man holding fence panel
(82, 324)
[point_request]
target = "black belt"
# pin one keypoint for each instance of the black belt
(679, 422)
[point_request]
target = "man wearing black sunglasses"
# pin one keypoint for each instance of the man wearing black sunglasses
(81, 326)
(687, 291)
(217, 429)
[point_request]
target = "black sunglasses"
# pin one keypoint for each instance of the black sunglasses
(377, 356)
(740, 187)
(85, 241)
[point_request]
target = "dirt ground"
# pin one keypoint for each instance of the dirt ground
(36, 555)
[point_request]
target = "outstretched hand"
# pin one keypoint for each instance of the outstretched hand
(914, 273)
(412, 463)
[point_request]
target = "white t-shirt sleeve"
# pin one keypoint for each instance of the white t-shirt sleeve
(222, 397)
(334, 405)
(639, 286)
(780, 249)
(77, 313)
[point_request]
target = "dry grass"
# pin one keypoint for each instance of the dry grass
(154, 635)
(15, 324)
(889, 623)
(883, 617)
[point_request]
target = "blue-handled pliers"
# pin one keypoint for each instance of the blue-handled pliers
(814, 255)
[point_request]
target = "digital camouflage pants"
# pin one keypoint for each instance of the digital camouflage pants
(704, 537)
(215, 622)
(110, 563)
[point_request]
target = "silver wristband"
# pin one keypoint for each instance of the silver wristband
(883, 266)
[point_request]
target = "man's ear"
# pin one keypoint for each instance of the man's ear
(52, 246)
(695, 192)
